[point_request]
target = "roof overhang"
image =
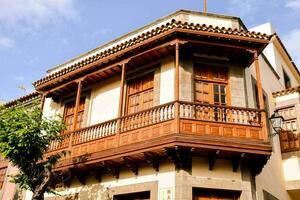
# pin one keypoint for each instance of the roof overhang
(160, 37)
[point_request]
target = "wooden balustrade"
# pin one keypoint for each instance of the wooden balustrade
(60, 144)
(223, 114)
(160, 114)
(147, 117)
(95, 132)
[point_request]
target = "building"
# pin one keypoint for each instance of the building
(174, 110)
(288, 105)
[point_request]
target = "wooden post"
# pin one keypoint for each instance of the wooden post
(260, 96)
(77, 103)
(176, 89)
(43, 101)
(121, 101)
(205, 6)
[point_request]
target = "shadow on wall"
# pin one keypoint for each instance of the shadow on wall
(91, 192)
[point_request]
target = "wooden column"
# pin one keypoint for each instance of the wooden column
(77, 103)
(260, 95)
(176, 89)
(121, 103)
(120, 113)
(43, 101)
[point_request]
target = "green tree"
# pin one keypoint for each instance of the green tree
(24, 139)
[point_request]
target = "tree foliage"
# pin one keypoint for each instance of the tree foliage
(24, 138)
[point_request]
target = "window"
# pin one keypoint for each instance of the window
(211, 85)
(214, 194)
(2, 176)
(140, 93)
(287, 80)
(69, 115)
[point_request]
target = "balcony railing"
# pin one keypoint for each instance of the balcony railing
(194, 118)
(224, 114)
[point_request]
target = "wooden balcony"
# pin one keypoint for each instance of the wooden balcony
(289, 141)
(202, 129)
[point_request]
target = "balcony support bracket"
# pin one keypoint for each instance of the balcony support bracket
(153, 160)
(131, 165)
(212, 159)
(181, 157)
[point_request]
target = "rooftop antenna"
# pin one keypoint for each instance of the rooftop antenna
(205, 7)
(23, 88)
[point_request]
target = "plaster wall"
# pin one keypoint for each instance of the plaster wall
(167, 80)
(180, 182)
(164, 179)
(271, 179)
(104, 101)
(52, 108)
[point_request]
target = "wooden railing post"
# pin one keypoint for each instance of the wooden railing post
(176, 89)
(77, 104)
(260, 96)
(121, 101)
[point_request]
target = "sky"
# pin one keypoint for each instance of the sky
(36, 35)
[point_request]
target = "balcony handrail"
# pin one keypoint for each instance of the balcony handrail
(148, 109)
(226, 107)
(220, 114)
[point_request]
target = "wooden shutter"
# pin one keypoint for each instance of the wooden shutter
(69, 115)
(202, 92)
(140, 93)
(211, 84)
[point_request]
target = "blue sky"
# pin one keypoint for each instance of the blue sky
(36, 35)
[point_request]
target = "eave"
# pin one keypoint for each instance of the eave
(119, 53)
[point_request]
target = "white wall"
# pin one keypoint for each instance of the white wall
(104, 101)
(167, 80)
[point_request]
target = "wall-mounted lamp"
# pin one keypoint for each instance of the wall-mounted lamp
(276, 121)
